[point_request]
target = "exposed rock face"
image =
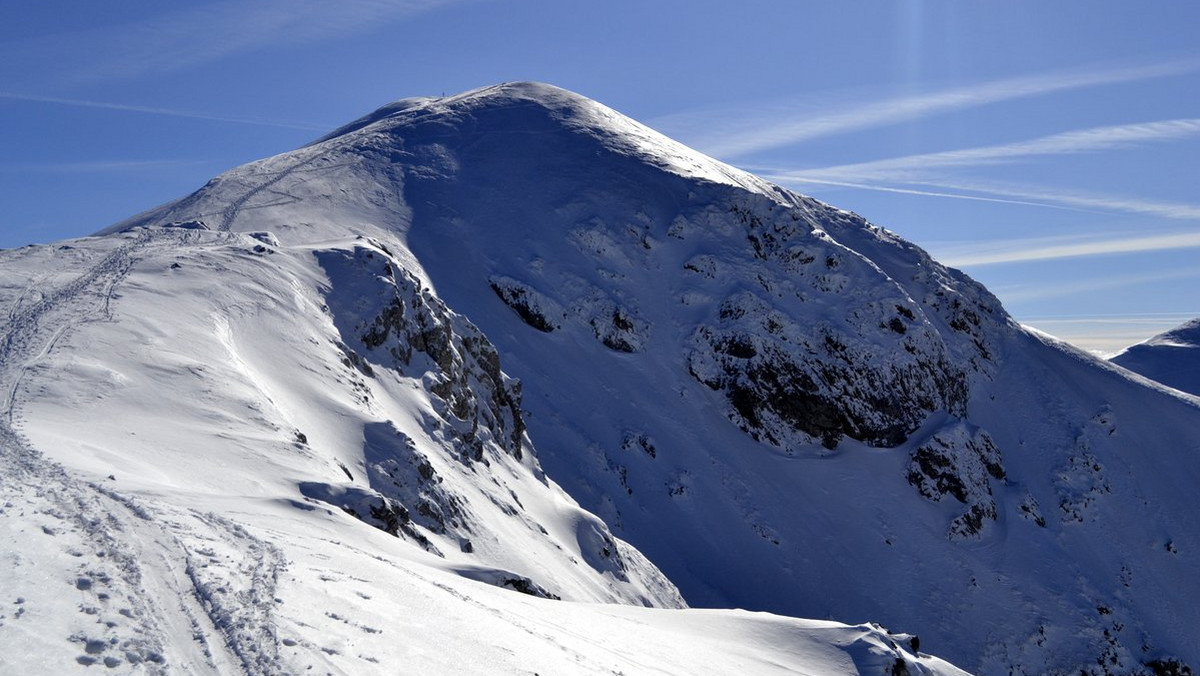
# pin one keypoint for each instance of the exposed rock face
(399, 325)
(789, 384)
(532, 306)
(961, 463)
(871, 370)
(409, 329)
(616, 327)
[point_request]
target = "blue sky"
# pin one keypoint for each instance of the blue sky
(1051, 150)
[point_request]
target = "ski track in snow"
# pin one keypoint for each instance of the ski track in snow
(26, 340)
(143, 573)
(231, 212)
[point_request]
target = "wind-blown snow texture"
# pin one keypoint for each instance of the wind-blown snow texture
(1172, 358)
(784, 407)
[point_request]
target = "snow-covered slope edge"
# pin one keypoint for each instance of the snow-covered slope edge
(223, 454)
(784, 406)
(1171, 358)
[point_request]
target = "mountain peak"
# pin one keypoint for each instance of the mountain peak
(540, 108)
(502, 94)
(523, 132)
(526, 90)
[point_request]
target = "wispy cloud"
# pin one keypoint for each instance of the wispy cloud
(794, 179)
(1081, 200)
(1071, 142)
(1012, 194)
(924, 174)
(188, 37)
(170, 112)
(1042, 290)
(100, 166)
(1048, 248)
(1147, 319)
(788, 128)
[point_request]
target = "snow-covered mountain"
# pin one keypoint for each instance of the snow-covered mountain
(320, 396)
(228, 450)
(1172, 358)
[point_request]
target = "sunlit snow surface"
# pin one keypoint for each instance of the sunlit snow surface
(1016, 503)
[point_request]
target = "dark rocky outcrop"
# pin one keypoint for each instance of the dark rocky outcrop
(823, 382)
(403, 326)
(959, 462)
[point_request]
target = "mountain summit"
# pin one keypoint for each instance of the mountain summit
(416, 141)
(413, 330)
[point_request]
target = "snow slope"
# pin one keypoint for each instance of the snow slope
(783, 406)
(216, 459)
(1172, 358)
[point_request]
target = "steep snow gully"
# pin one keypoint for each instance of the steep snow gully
(311, 406)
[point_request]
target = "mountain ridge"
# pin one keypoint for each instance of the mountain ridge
(1171, 358)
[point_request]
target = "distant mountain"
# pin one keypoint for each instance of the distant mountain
(1172, 358)
(334, 386)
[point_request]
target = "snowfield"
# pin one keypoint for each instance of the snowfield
(317, 415)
